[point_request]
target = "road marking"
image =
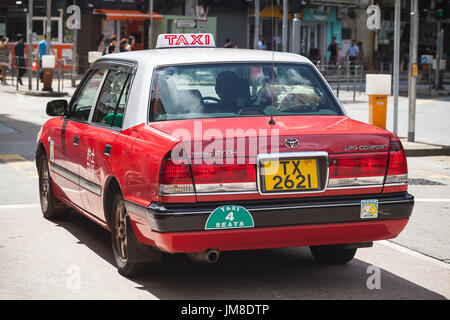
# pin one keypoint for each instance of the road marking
(19, 206)
(431, 200)
(420, 101)
(415, 253)
(23, 166)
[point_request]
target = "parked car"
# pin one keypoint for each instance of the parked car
(194, 149)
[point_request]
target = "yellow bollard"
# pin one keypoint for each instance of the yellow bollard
(378, 110)
(378, 87)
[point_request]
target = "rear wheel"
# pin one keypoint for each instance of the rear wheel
(50, 206)
(131, 256)
(332, 254)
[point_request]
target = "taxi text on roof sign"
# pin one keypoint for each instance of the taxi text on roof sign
(181, 40)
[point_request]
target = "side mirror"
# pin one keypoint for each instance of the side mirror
(57, 108)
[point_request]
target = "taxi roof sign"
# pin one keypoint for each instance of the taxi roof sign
(185, 40)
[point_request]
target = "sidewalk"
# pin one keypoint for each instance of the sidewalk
(432, 134)
(65, 88)
(418, 149)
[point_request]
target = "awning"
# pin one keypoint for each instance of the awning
(112, 14)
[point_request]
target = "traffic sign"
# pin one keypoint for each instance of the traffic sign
(201, 14)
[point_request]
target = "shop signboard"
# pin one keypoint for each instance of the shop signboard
(115, 4)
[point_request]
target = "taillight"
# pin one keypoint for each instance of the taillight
(175, 178)
(362, 169)
(224, 177)
(398, 168)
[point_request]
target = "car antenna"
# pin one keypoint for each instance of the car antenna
(271, 121)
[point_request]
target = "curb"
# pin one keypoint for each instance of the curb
(44, 93)
(443, 151)
(36, 93)
(422, 149)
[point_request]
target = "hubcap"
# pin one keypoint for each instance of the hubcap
(121, 231)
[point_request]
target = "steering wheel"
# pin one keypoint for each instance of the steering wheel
(217, 100)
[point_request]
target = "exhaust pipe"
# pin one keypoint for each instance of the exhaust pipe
(208, 256)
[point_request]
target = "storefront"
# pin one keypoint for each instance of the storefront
(318, 26)
(125, 23)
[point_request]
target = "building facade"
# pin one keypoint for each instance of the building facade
(229, 19)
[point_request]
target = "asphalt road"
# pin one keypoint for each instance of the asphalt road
(72, 259)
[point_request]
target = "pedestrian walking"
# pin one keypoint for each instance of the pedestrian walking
(42, 51)
(19, 53)
(131, 43)
(100, 44)
(352, 52)
(123, 45)
(228, 43)
(112, 44)
(333, 49)
(4, 57)
(261, 43)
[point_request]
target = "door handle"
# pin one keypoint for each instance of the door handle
(107, 150)
(75, 140)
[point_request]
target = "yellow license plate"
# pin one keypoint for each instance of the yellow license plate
(290, 175)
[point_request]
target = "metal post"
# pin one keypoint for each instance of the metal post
(17, 74)
(37, 76)
(74, 53)
(354, 83)
(429, 79)
(348, 76)
(338, 79)
(396, 61)
(285, 26)
(30, 43)
(296, 29)
(48, 27)
(391, 72)
(361, 77)
(62, 86)
(414, 35)
(439, 46)
(150, 26)
(59, 75)
(256, 35)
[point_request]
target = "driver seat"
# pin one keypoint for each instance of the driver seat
(234, 93)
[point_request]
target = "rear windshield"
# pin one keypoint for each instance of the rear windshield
(239, 90)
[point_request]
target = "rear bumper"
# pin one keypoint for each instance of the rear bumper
(180, 228)
(279, 237)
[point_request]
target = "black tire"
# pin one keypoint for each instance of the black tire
(332, 254)
(50, 206)
(131, 257)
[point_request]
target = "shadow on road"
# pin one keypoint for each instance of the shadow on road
(18, 137)
(287, 273)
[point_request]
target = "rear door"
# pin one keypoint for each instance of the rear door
(97, 146)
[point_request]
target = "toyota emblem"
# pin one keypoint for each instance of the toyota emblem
(291, 143)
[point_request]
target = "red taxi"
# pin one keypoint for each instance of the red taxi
(194, 149)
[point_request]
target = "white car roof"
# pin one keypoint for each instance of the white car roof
(147, 60)
(170, 56)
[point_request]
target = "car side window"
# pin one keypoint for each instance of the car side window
(111, 104)
(85, 100)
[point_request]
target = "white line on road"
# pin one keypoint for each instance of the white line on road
(19, 206)
(414, 253)
(432, 200)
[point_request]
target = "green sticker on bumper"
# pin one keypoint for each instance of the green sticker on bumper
(229, 217)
